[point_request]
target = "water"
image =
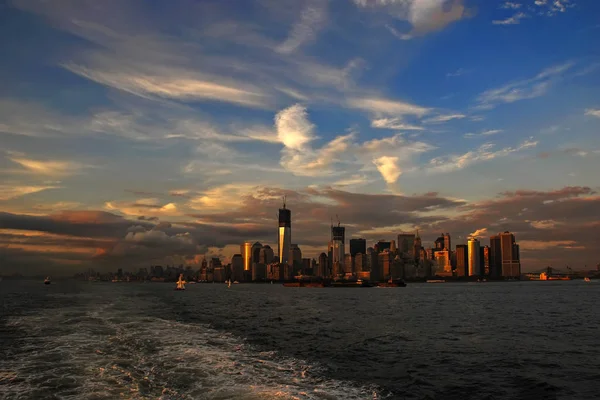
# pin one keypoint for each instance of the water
(80, 340)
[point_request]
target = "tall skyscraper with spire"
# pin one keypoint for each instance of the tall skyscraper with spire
(285, 234)
(338, 238)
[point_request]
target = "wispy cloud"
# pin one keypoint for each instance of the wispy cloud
(524, 89)
(47, 167)
(424, 16)
(8, 192)
(458, 72)
(481, 134)
(511, 5)
(395, 124)
(592, 112)
(382, 106)
(484, 153)
(514, 20)
(312, 18)
(443, 118)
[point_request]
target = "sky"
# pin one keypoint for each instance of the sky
(141, 133)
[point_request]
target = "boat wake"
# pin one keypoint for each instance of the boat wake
(106, 353)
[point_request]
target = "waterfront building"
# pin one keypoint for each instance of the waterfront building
(348, 263)
(284, 239)
(406, 244)
(495, 257)
(237, 268)
(259, 272)
(246, 254)
(442, 257)
(511, 265)
(439, 243)
(462, 260)
(418, 245)
(338, 238)
(266, 255)
(296, 254)
(397, 268)
(358, 246)
(474, 264)
(393, 248)
(381, 246)
(486, 260)
(307, 266)
(385, 259)
(323, 266)
(447, 242)
(359, 263)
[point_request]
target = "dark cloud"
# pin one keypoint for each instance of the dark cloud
(555, 227)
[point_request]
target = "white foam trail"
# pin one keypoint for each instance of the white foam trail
(106, 353)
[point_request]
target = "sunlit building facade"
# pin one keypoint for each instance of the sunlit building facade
(284, 240)
(474, 257)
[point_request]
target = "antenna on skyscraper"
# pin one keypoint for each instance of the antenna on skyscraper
(338, 219)
(284, 202)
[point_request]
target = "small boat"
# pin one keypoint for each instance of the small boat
(47, 280)
(180, 283)
(586, 279)
(228, 283)
(235, 282)
(435, 281)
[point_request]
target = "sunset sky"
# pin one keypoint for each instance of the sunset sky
(136, 133)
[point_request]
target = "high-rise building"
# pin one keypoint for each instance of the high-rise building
(358, 246)
(439, 243)
(256, 247)
(348, 263)
(284, 240)
(338, 238)
(511, 265)
(266, 255)
(306, 266)
(369, 258)
(323, 266)
(374, 266)
(417, 246)
(406, 244)
(359, 261)
(447, 241)
(474, 266)
(296, 254)
(237, 267)
(486, 260)
(442, 257)
(246, 253)
(381, 246)
(393, 247)
(495, 257)
(462, 260)
(384, 262)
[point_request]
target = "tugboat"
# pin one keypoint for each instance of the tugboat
(47, 280)
(180, 283)
(587, 279)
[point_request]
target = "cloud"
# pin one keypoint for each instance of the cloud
(143, 207)
(394, 123)
(511, 5)
(293, 128)
(49, 167)
(458, 72)
(443, 118)
(546, 224)
(483, 153)
(388, 167)
(524, 89)
(484, 133)
(592, 112)
(424, 16)
(514, 20)
(8, 192)
(381, 106)
(312, 18)
(479, 233)
(174, 85)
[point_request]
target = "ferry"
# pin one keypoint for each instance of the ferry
(587, 279)
(545, 277)
(392, 283)
(180, 283)
(435, 281)
(47, 280)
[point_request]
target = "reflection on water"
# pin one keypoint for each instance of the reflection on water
(107, 341)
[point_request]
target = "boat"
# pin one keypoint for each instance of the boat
(392, 283)
(180, 283)
(587, 279)
(47, 280)
(228, 283)
(235, 282)
(435, 281)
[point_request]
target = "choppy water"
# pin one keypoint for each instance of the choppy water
(79, 340)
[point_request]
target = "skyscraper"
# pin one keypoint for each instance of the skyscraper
(266, 255)
(338, 237)
(473, 246)
(439, 243)
(406, 244)
(358, 246)
(511, 266)
(246, 253)
(495, 257)
(417, 246)
(284, 240)
(447, 241)
(462, 260)
(323, 269)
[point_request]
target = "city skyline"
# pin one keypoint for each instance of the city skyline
(171, 133)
